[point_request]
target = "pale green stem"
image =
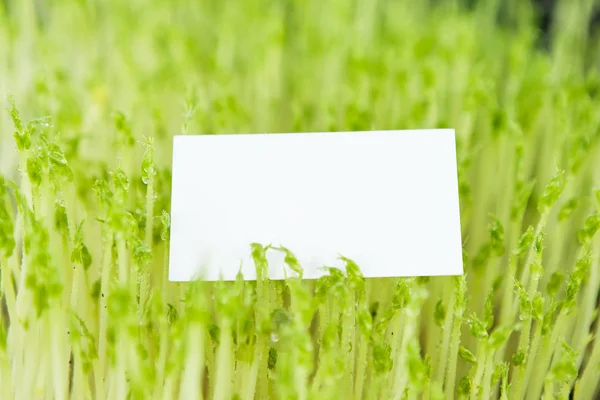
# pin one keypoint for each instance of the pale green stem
(44, 385)
(348, 336)
(165, 274)
(487, 376)
(401, 376)
(548, 390)
(123, 259)
(121, 367)
(524, 340)
(432, 337)
(524, 277)
(481, 364)
(111, 381)
(249, 388)
(224, 363)
(149, 213)
(161, 362)
(77, 391)
(75, 284)
(504, 387)
(442, 362)
(100, 369)
(586, 311)
(144, 289)
(30, 366)
(144, 275)
(530, 361)
(506, 313)
(536, 384)
(324, 319)
(395, 332)
(565, 389)
(361, 365)
(587, 385)
(210, 362)
(453, 353)
(193, 370)
(6, 387)
(60, 362)
(300, 378)
(167, 389)
(375, 389)
(242, 371)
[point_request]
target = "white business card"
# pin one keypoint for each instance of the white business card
(388, 200)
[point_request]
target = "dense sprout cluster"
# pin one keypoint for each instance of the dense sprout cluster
(98, 88)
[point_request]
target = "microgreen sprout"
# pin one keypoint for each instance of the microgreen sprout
(86, 307)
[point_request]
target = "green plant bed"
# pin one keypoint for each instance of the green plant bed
(98, 88)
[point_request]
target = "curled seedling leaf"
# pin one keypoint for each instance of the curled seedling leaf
(568, 209)
(148, 163)
(552, 192)
(525, 242)
(124, 129)
(499, 337)
(165, 221)
(291, 260)
(477, 328)
(589, 230)
(439, 313)
(81, 254)
(466, 355)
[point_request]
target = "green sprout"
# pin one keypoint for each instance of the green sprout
(86, 307)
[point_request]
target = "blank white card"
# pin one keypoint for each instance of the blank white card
(388, 200)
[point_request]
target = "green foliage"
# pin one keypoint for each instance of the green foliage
(440, 313)
(7, 241)
(81, 254)
(466, 355)
(85, 185)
